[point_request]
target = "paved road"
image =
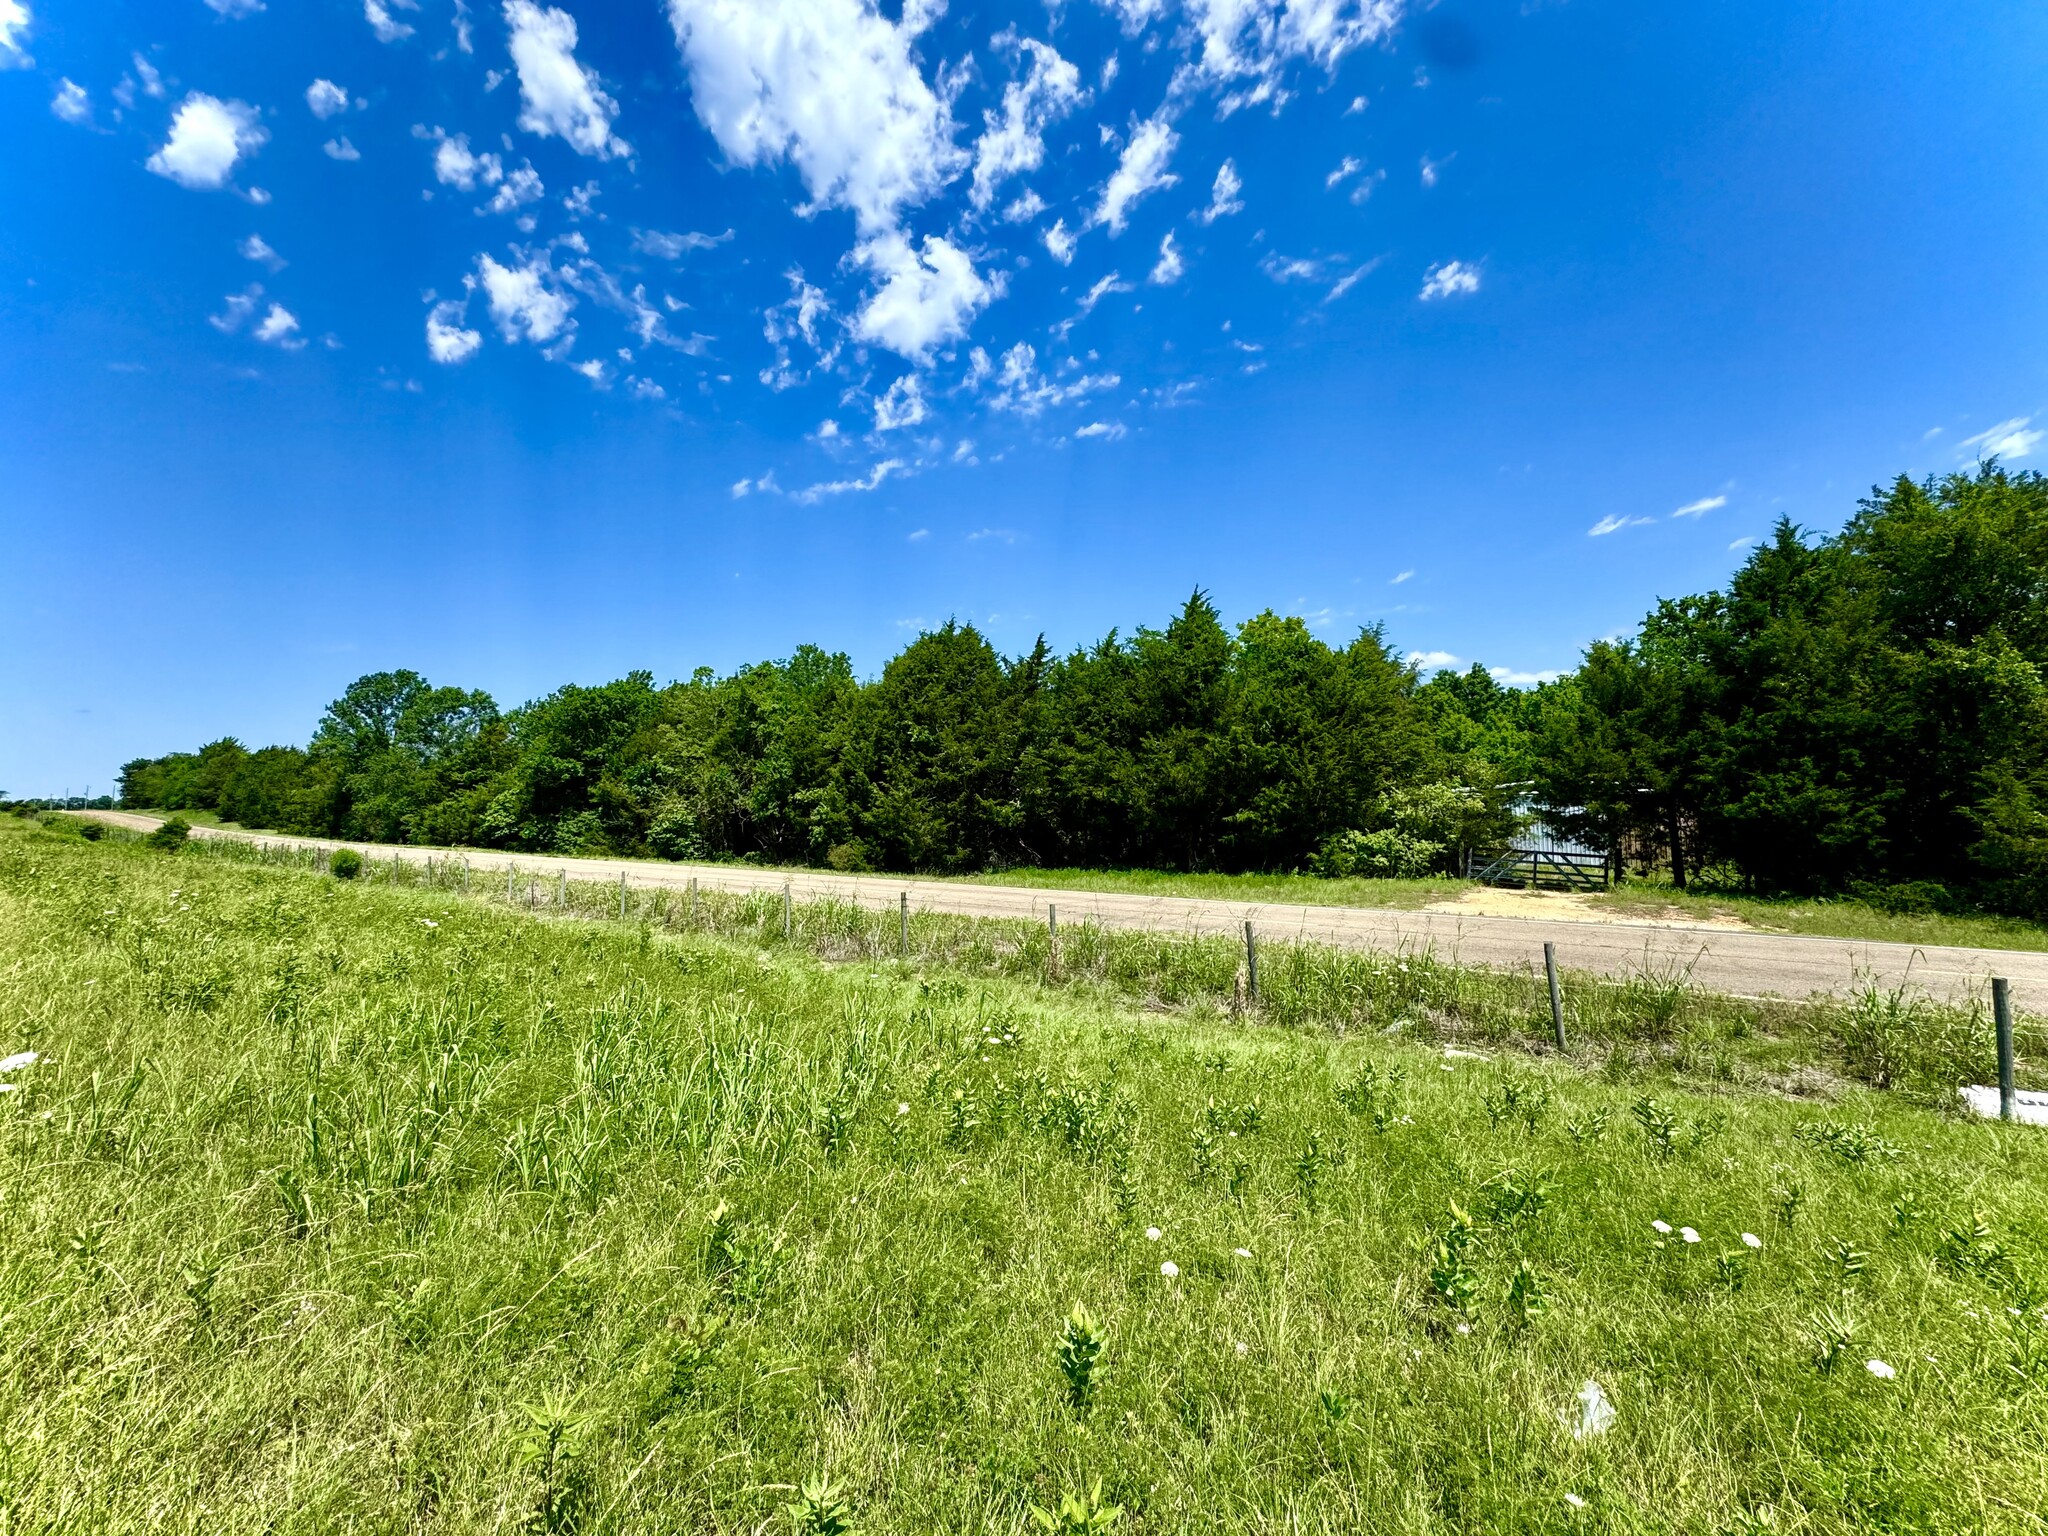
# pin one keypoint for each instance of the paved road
(1746, 964)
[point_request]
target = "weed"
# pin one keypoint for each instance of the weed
(820, 1508)
(1077, 1514)
(1081, 1343)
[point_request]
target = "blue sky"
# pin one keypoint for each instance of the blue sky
(523, 344)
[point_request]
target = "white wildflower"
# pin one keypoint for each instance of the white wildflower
(1170, 1269)
(1242, 1253)
(1575, 1501)
(1243, 1349)
(1688, 1234)
(902, 1108)
(19, 1060)
(1751, 1240)
(1153, 1234)
(1879, 1369)
(7, 1087)
(1663, 1228)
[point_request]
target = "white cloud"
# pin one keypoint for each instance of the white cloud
(644, 389)
(239, 307)
(1059, 244)
(901, 406)
(1025, 207)
(925, 298)
(1246, 44)
(766, 486)
(234, 9)
(1012, 141)
(1404, 576)
(256, 248)
(208, 136)
(1348, 281)
(519, 188)
(1022, 389)
(561, 98)
(1102, 288)
(654, 242)
(325, 99)
(280, 328)
(1449, 278)
(1608, 525)
(1742, 543)
(2008, 440)
(1431, 660)
(1223, 197)
(1701, 507)
(1108, 431)
(872, 480)
(387, 27)
(14, 20)
(1432, 170)
(1508, 677)
(71, 103)
(449, 341)
(1350, 165)
(1358, 105)
(828, 84)
(1136, 15)
(804, 314)
(526, 300)
(341, 149)
(1170, 265)
(594, 371)
(1141, 170)
(456, 166)
(1290, 269)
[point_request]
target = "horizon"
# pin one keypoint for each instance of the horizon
(1504, 323)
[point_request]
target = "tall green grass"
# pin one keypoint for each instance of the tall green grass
(359, 1206)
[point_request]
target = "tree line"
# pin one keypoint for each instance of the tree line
(1860, 712)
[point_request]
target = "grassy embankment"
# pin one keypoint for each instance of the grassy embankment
(1819, 917)
(362, 1206)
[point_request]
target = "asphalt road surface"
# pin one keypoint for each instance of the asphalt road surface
(1721, 960)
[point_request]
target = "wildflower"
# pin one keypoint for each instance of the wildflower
(1153, 1234)
(1575, 1501)
(1242, 1253)
(19, 1060)
(7, 1088)
(1663, 1228)
(1243, 1349)
(1688, 1234)
(901, 1108)
(1464, 1327)
(1170, 1269)
(1879, 1369)
(428, 922)
(1751, 1240)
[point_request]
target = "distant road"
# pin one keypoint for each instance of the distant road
(1745, 964)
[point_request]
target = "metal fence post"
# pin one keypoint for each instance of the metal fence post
(1052, 933)
(785, 911)
(622, 895)
(693, 898)
(561, 887)
(903, 922)
(2001, 1012)
(1556, 1001)
(1251, 963)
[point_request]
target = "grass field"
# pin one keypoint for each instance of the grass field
(363, 1207)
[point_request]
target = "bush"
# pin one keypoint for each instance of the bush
(346, 864)
(1910, 898)
(171, 835)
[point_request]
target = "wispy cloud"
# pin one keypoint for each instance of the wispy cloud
(1701, 507)
(1608, 525)
(2010, 439)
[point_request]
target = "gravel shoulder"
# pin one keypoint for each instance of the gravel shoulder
(1723, 959)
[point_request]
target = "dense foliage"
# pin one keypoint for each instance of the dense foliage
(1863, 712)
(1190, 747)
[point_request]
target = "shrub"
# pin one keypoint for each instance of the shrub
(1909, 898)
(346, 864)
(171, 835)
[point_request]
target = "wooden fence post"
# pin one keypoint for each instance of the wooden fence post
(622, 895)
(693, 899)
(2001, 1012)
(1251, 963)
(903, 922)
(509, 868)
(785, 911)
(1052, 933)
(1556, 1001)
